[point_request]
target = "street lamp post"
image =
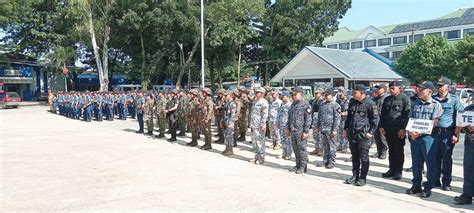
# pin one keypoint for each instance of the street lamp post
(202, 43)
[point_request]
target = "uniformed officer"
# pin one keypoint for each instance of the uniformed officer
(160, 107)
(183, 103)
(315, 103)
(343, 101)
(329, 118)
(228, 121)
(171, 115)
(244, 113)
(423, 148)
(269, 97)
(468, 164)
(380, 141)
(207, 108)
(140, 104)
(272, 121)
(297, 128)
(258, 122)
(219, 113)
(194, 117)
(446, 134)
(282, 121)
(393, 120)
(359, 128)
(149, 114)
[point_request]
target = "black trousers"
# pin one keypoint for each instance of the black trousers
(380, 142)
(173, 125)
(396, 155)
(140, 120)
(359, 146)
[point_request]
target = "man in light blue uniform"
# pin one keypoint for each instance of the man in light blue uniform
(446, 134)
(423, 148)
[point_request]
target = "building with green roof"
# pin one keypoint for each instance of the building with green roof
(390, 41)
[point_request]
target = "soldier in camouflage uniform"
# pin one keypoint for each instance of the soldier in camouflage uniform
(207, 108)
(160, 107)
(218, 113)
(315, 103)
(343, 101)
(149, 114)
(244, 113)
(258, 121)
(298, 125)
(228, 122)
(272, 121)
(329, 119)
(282, 122)
(269, 98)
(183, 102)
(193, 117)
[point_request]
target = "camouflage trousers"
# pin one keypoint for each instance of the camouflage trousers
(194, 125)
(161, 123)
(149, 123)
(275, 132)
(300, 147)
(220, 130)
(243, 125)
(343, 142)
(317, 139)
(182, 122)
(229, 137)
(285, 142)
(206, 130)
(258, 142)
(329, 146)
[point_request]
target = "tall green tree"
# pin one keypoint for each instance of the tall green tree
(428, 59)
(463, 60)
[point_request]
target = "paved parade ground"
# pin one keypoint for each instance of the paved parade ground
(53, 163)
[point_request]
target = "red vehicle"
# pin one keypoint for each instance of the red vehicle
(9, 99)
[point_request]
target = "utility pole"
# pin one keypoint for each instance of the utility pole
(202, 43)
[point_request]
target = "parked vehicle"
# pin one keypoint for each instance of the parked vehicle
(9, 99)
(463, 95)
(127, 87)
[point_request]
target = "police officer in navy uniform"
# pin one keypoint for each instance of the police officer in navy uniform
(423, 148)
(360, 126)
(468, 164)
(393, 120)
(379, 138)
(446, 134)
(140, 106)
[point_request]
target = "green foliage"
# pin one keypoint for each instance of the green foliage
(463, 60)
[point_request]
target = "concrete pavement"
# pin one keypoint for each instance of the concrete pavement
(52, 163)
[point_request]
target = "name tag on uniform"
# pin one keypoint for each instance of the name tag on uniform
(420, 125)
(465, 119)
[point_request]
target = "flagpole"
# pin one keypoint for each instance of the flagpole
(202, 43)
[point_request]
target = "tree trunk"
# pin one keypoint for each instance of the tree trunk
(145, 76)
(103, 78)
(182, 70)
(238, 66)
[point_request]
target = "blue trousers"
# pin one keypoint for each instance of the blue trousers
(140, 120)
(444, 160)
(423, 150)
(468, 166)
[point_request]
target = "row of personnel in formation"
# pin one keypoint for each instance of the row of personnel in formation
(336, 120)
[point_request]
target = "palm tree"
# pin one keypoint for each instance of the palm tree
(59, 57)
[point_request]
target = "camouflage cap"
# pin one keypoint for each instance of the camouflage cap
(207, 90)
(319, 90)
(260, 89)
(220, 91)
(268, 89)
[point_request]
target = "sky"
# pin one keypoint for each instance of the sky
(387, 12)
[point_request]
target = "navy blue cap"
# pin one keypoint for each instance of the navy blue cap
(284, 92)
(427, 85)
(443, 81)
(395, 84)
(298, 90)
(359, 87)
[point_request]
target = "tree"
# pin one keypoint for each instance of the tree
(60, 56)
(463, 60)
(428, 59)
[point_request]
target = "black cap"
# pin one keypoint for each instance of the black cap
(329, 91)
(396, 84)
(427, 85)
(359, 87)
(443, 81)
(382, 86)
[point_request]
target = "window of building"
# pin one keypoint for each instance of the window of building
(344, 46)
(289, 83)
(385, 54)
(385, 41)
(453, 34)
(357, 44)
(400, 40)
(370, 43)
(434, 34)
(310, 82)
(332, 46)
(417, 37)
(337, 82)
(468, 32)
(396, 55)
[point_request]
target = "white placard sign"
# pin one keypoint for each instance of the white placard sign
(420, 125)
(465, 119)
